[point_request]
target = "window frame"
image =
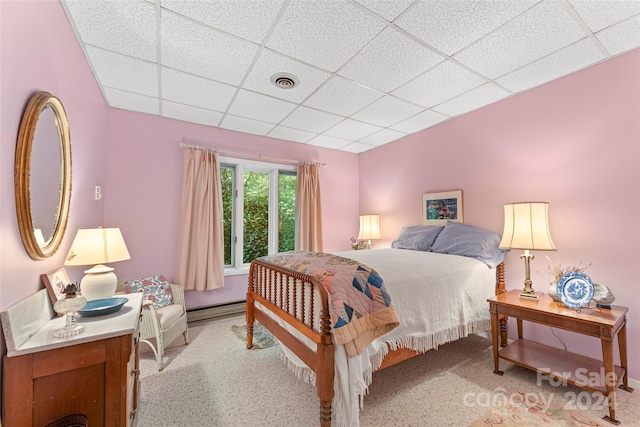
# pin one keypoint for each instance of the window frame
(237, 226)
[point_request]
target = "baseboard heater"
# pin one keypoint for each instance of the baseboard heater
(215, 312)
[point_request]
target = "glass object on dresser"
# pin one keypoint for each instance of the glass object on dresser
(69, 306)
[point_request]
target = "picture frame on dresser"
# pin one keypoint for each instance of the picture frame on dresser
(438, 208)
(55, 281)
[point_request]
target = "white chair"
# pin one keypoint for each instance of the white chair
(163, 325)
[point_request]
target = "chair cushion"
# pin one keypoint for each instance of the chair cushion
(168, 314)
(154, 288)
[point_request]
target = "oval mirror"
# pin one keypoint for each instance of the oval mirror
(43, 175)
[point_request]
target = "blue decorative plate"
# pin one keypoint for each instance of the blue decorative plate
(98, 307)
(575, 289)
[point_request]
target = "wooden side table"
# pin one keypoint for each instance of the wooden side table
(561, 364)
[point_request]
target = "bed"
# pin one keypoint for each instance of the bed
(438, 280)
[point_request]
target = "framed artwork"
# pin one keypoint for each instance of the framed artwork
(438, 208)
(55, 281)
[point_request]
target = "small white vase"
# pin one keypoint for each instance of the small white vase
(553, 291)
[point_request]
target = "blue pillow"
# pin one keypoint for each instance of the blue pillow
(470, 241)
(416, 237)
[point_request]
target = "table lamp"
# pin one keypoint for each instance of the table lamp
(526, 226)
(369, 228)
(98, 246)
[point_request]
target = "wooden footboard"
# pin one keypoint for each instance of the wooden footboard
(301, 302)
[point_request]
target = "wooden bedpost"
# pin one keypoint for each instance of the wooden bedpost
(249, 314)
(500, 289)
(325, 375)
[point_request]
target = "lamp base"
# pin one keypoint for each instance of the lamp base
(533, 296)
(98, 283)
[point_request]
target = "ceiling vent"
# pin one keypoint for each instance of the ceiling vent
(284, 80)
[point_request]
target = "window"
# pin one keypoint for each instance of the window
(259, 210)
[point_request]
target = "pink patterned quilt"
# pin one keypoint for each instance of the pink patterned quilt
(360, 306)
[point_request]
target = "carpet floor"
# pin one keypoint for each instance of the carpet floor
(216, 381)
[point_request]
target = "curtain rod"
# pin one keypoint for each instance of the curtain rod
(201, 145)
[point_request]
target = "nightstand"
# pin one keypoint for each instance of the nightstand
(561, 364)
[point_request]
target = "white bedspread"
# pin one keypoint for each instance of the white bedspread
(439, 298)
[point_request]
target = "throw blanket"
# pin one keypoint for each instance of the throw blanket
(360, 306)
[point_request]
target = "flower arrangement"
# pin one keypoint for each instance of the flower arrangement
(556, 271)
(357, 244)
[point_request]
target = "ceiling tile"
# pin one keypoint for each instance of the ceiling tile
(443, 82)
(543, 29)
(383, 137)
(311, 120)
(247, 19)
(389, 10)
(325, 33)
(343, 97)
(131, 101)
(197, 91)
(270, 63)
(420, 121)
(565, 61)
(194, 48)
(387, 111)
(242, 124)
(403, 60)
(188, 113)
(479, 97)
(451, 25)
(291, 134)
(260, 107)
(369, 71)
(125, 27)
(599, 14)
(621, 37)
(328, 142)
(357, 147)
(352, 129)
(123, 72)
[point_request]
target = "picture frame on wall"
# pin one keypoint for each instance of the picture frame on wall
(55, 281)
(438, 208)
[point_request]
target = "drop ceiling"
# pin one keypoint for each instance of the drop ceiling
(367, 72)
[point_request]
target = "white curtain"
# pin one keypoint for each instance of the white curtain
(200, 263)
(308, 208)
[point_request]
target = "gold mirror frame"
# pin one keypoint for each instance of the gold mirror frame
(22, 173)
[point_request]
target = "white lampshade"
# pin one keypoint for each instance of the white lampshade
(98, 246)
(369, 227)
(526, 226)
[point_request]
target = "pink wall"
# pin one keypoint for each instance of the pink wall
(143, 190)
(574, 142)
(39, 51)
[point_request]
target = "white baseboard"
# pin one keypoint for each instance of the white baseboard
(216, 312)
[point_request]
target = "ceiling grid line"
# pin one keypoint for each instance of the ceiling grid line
(369, 71)
(158, 14)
